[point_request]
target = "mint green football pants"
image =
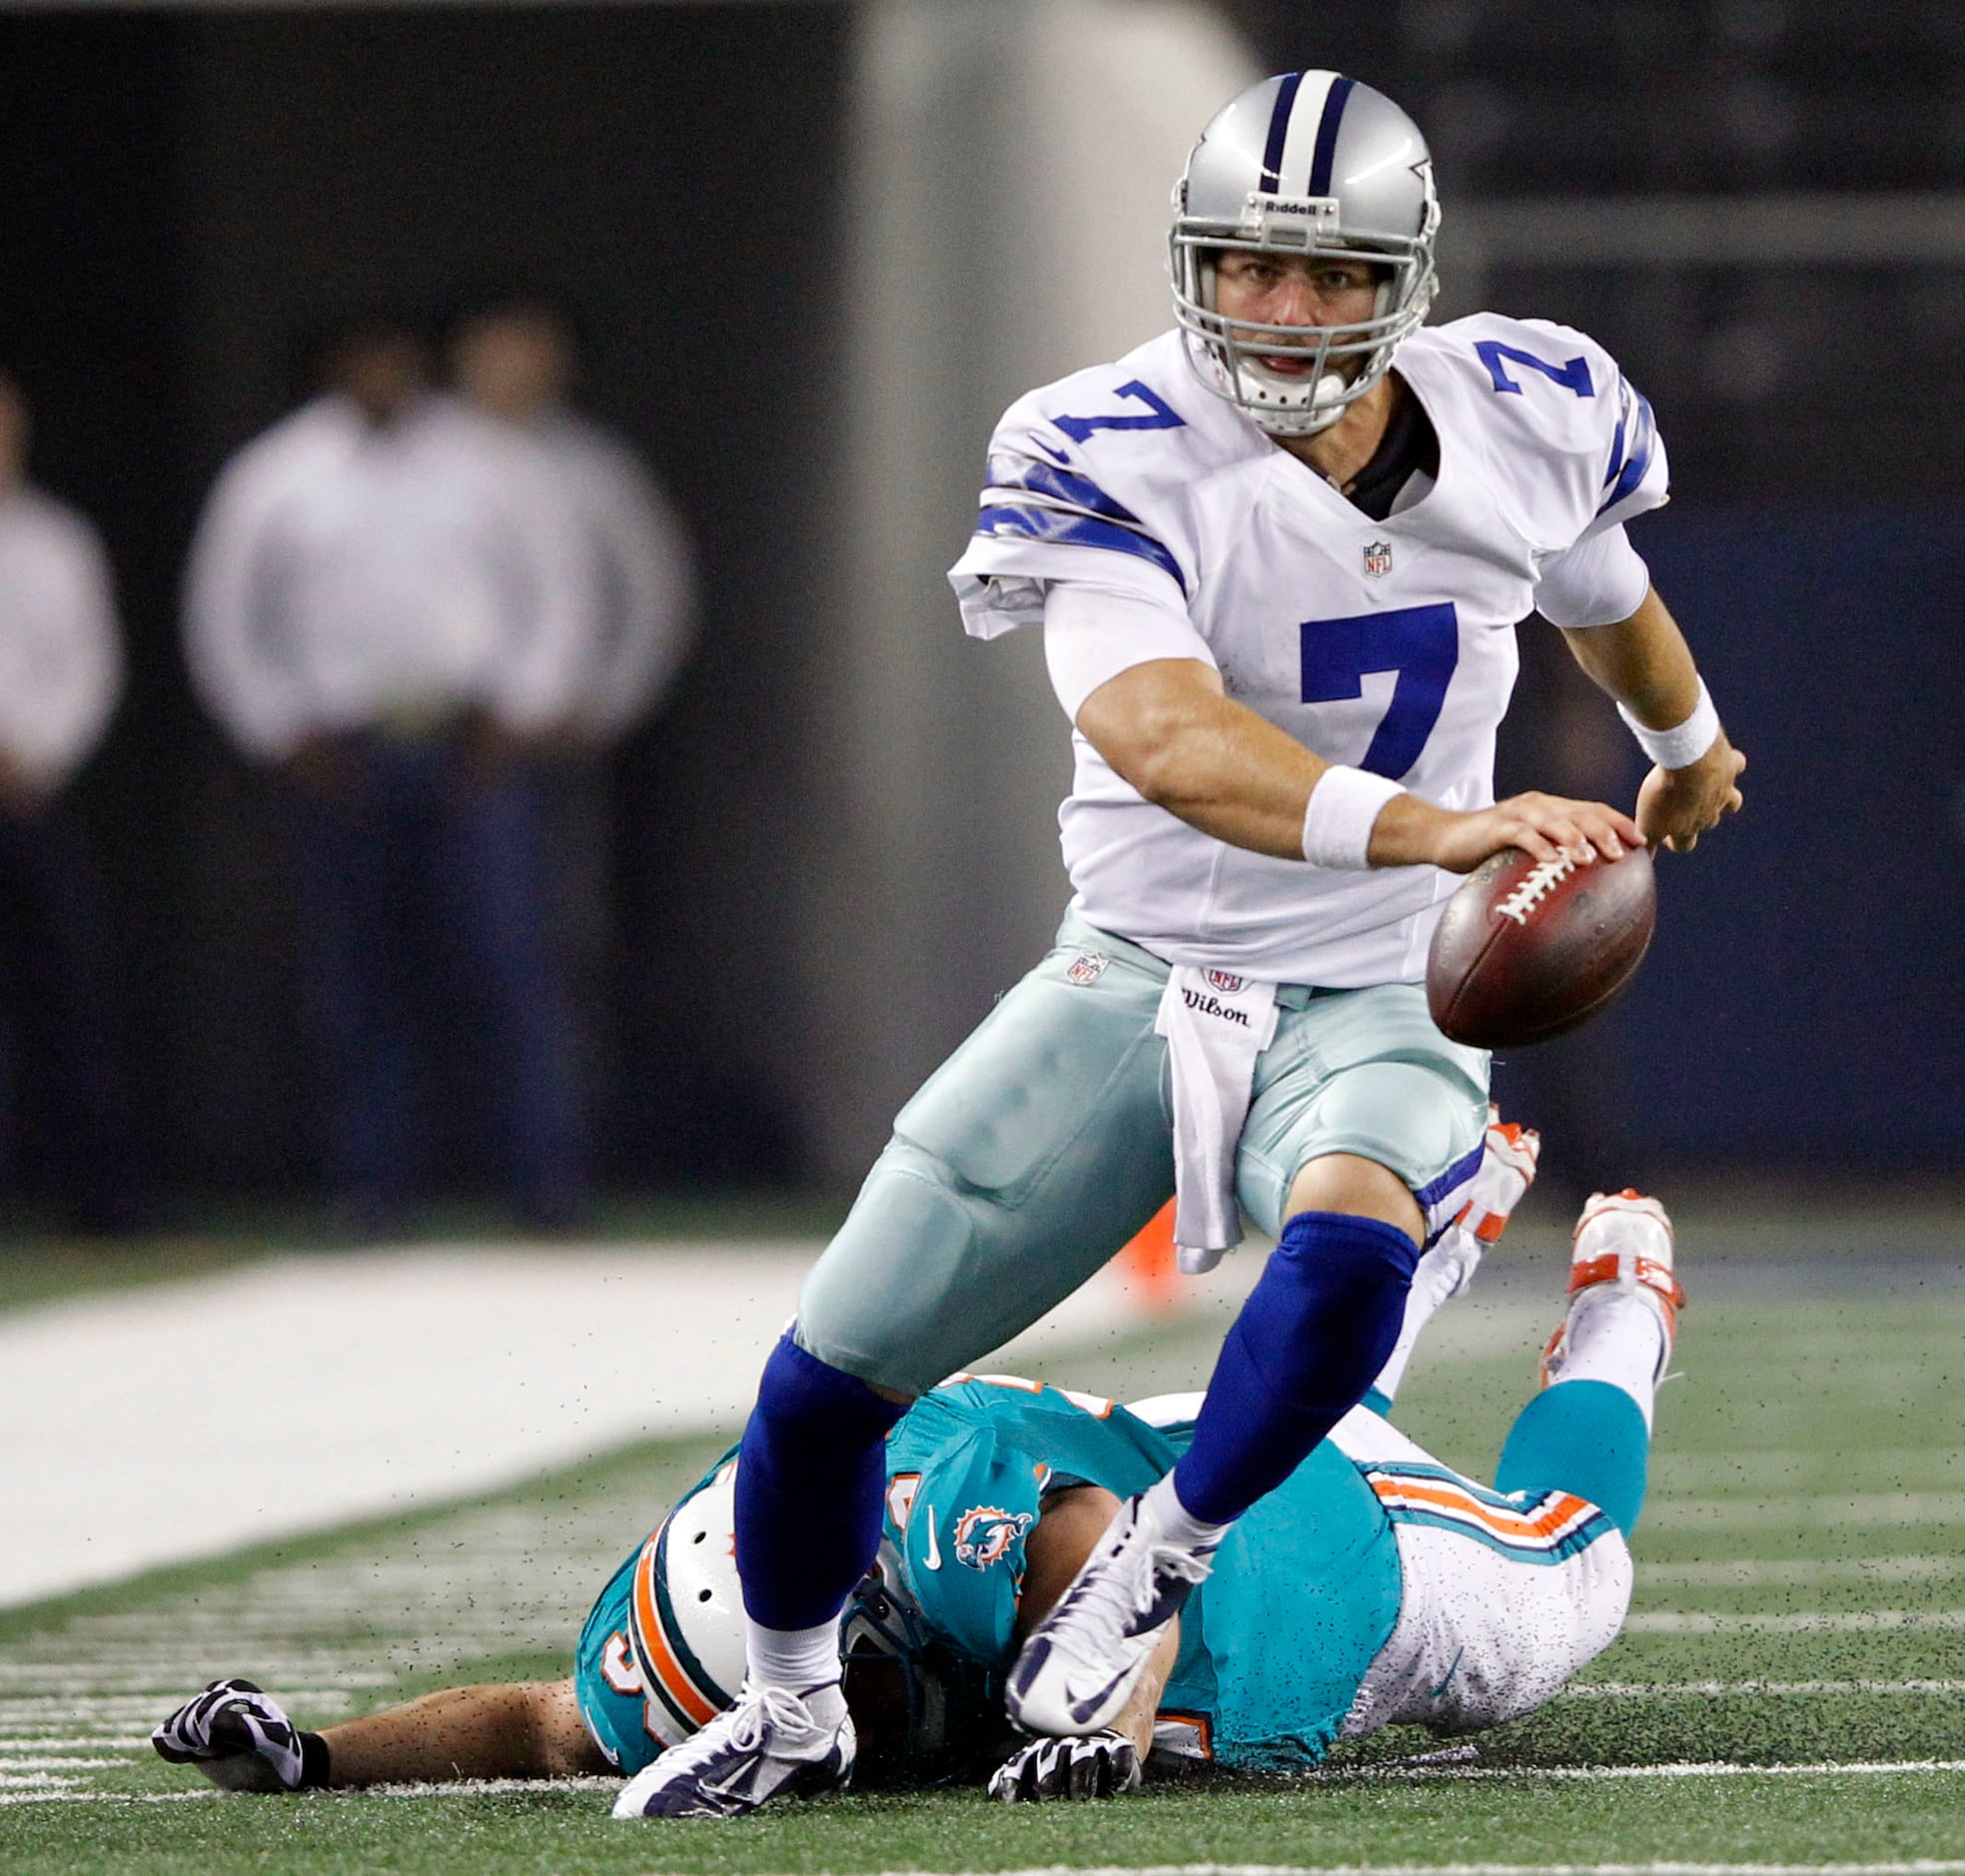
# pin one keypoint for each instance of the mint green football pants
(1046, 1141)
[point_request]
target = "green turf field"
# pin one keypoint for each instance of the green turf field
(1788, 1692)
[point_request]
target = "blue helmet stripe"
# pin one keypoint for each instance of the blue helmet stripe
(1279, 131)
(1073, 530)
(1326, 135)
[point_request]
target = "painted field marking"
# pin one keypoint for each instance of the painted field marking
(1749, 1475)
(1722, 1689)
(1799, 1572)
(1917, 1867)
(1806, 1507)
(47, 1788)
(1791, 1622)
(96, 1742)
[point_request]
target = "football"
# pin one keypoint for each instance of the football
(1529, 948)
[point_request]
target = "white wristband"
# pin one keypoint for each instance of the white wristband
(1343, 809)
(1680, 747)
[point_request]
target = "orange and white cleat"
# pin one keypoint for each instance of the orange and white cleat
(1508, 1170)
(1623, 1239)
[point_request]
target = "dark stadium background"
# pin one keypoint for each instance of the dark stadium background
(185, 193)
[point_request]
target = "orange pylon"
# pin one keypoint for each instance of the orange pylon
(1148, 1261)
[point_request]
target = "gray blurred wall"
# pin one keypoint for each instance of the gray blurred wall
(1009, 174)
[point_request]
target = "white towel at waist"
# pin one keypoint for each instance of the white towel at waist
(1215, 1024)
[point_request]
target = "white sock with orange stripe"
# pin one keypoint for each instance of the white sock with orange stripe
(1616, 1336)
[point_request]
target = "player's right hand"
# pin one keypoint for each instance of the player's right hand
(1411, 831)
(237, 1736)
(1676, 806)
(1095, 1765)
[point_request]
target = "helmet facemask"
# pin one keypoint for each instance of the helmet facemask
(1379, 208)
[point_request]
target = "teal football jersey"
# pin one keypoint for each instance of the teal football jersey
(1273, 1645)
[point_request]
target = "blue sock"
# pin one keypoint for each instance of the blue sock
(1311, 1338)
(1584, 1436)
(811, 1478)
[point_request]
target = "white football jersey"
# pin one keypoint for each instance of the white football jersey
(1386, 644)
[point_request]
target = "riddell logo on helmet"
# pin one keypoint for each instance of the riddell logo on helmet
(1308, 208)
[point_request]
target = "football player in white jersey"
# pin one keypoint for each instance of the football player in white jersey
(1278, 557)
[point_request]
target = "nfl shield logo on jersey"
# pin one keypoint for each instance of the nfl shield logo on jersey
(1378, 559)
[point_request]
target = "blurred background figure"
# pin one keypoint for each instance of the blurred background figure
(61, 672)
(386, 602)
(515, 362)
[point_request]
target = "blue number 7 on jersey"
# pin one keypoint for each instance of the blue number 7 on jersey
(1421, 642)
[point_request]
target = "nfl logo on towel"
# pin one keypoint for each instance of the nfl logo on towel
(1225, 982)
(1377, 558)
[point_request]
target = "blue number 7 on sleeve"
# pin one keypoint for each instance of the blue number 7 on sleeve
(1159, 416)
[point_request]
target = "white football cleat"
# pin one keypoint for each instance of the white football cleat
(1080, 1663)
(1508, 1170)
(772, 1743)
(1623, 1239)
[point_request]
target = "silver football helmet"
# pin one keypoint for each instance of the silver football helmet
(1303, 163)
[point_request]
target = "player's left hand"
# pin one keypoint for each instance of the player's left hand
(1676, 806)
(237, 1736)
(1097, 1765)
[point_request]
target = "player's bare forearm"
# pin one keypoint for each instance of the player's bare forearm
(519, 1729)
(1073, 1520)
(1645, 665)
(1642, 661)
(1167, 727)
(1135, 1719)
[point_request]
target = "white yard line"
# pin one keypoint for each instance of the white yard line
(1801, 1572)
(169, 1423)
(1827, 1509)
(1742, 1690)
(1790, 1621)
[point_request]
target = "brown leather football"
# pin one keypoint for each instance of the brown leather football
(1528, 949)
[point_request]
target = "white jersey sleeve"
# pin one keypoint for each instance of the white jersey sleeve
(1559, 406)
(1599, 581)
(1078, 487)
(1092, 634)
